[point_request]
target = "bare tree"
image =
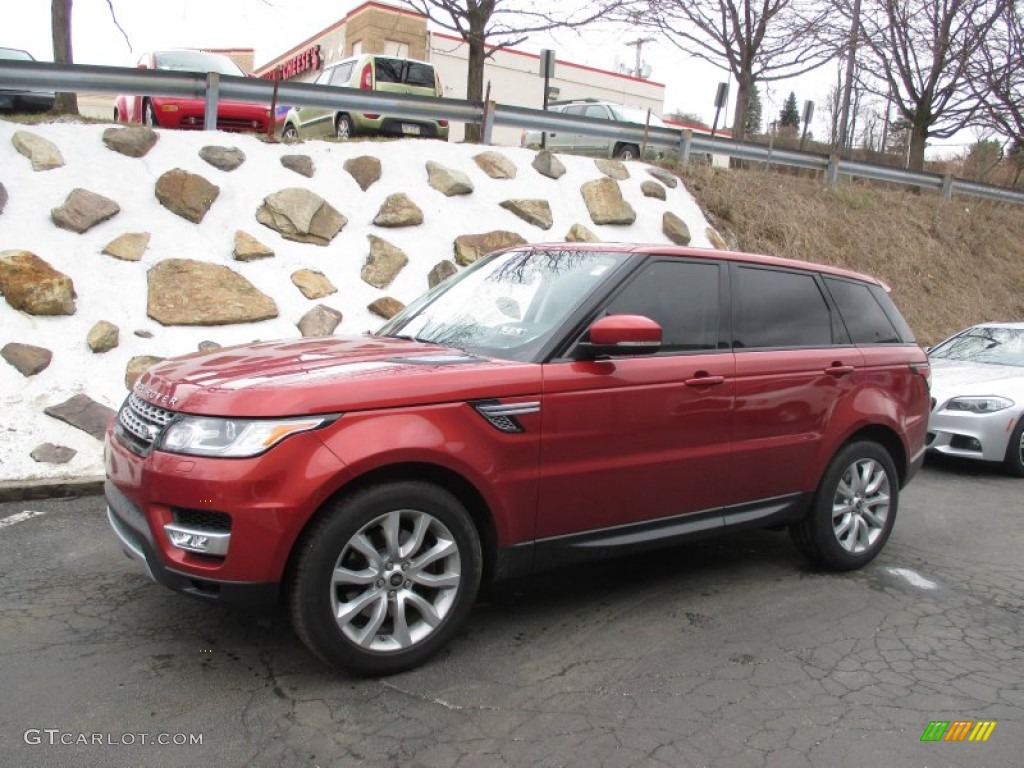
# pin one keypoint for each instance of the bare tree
(490, 25)
(60, 27)
(755, 40)
(1001, 76)
(922, 52)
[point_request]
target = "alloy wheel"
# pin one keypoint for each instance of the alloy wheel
(860, 505)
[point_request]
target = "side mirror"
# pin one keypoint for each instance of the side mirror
(620, 336)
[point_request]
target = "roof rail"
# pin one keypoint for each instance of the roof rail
(588, 100)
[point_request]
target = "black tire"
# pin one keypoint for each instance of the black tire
(393, 610)
(148, 115)
(627, 152)
(1014, 461)
(343, 128)
(853, 511)
(117, 115)
(290, 133)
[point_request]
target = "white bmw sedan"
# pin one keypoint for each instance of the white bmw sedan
(978, 395)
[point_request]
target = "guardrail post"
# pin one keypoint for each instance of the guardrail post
(832, 174)
(488, 125)
(212, 90)
(685, 140)
(947, 186)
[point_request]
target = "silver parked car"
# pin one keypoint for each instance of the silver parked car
(596, 146)
(978, 395)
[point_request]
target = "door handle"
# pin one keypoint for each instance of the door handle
(704, 381)
(838, 370)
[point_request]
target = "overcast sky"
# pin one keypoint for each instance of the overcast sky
(271, 27)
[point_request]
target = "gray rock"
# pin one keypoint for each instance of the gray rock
(675, 229)
(448, 181)
(207, 346)
(82, 210)
(469, 248)
(321, 320)
(300, 215)
(605, 204)
(128, 247)
(536, 212)
(84, 413)
(187, 292)
(3, 197)
(383, 264)
(248, 248)
(441, 272)
(653, 189)
(668, 179)
(716, 239)
(399, 211)
(137, 366)
(546, 164)
(495, 165)
(613, 169)
(386, 307)
(143, 334)
(26, 358)
(224, 158)
(44, 154)
(186, 194)
(365, 169)
(48, 453)
(103, 337)
(580, 234)
(133, 141)
(31, 285)
(313, 284)
(301, 164)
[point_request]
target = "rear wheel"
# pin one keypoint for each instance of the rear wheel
(1014, 461)
(854, 509)
(343, 127)
(386, 577)
(628, 152)
(148, 114)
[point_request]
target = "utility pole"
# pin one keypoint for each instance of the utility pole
(639, 44)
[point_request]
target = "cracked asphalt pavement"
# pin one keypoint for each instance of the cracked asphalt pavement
(732, 652)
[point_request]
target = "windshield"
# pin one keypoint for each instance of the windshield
(635, 115)
(197, 61)
(997, 346)
(507, 306)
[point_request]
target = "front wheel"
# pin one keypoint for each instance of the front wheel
(148, 114)
(854, 509)
(386, 577)
(290, 133)
(628, 152)
(1014, 461)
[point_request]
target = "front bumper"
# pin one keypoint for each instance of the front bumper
(982, 436)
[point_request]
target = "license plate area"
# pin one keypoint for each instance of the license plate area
(411, 128)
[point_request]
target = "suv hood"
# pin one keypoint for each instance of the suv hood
(329, 375)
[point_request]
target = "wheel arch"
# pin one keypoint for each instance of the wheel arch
(889, 440)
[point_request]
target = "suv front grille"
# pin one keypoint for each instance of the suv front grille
(140, 423)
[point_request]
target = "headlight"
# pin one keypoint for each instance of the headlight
(234, 438)
(986, 404)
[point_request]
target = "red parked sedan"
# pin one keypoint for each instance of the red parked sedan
(177, 112)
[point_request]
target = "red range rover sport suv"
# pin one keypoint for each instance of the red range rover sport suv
(547, 405)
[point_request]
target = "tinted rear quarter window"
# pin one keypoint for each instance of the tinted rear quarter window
(389, 70)
(865, 320)
(776, 308)
(419, 74)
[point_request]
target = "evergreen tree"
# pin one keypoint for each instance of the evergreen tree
(752, 120)
(789, 117)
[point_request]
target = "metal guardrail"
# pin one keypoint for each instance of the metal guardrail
(211, 87)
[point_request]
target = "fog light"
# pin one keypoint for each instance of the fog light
(965, 443)
(196, 540)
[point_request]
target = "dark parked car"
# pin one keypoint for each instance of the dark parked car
(20, 100)
(547, 405)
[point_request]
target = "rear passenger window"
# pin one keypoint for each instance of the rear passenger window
(681, 297)
(420, 74)
(865, 320)
(596, 110)
(389, 70)
(341, 73)
(779, 309)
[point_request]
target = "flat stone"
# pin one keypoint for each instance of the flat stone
(43, 154)
(248, 248)
(300, 215)
(103, 337)
(495, 165)
(386, 307)
(613, 169)
(313, 284)
(26, 358)
(186, 194)
(224, 158)
(48, 453)
(675, 229)
(536, 212)
(383, 264)
(143, 334)
(208, 346)
(137, 366)
(399, 211)
(133, 141)
(301, 164)
(716, 239)
(441, 272)
(670, 180)
(448, 181)
(470, 248)
(321, 320)
(31, 285)
(365, 169)
(82, 210)
(188, 292)
(128, 247)
(546, 164)
(84, 413)
(580, 234)
(605, 204)
(652, 189)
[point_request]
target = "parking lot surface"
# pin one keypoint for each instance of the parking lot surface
(732, 652)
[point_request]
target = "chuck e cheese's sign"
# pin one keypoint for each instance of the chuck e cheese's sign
(303, 61)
